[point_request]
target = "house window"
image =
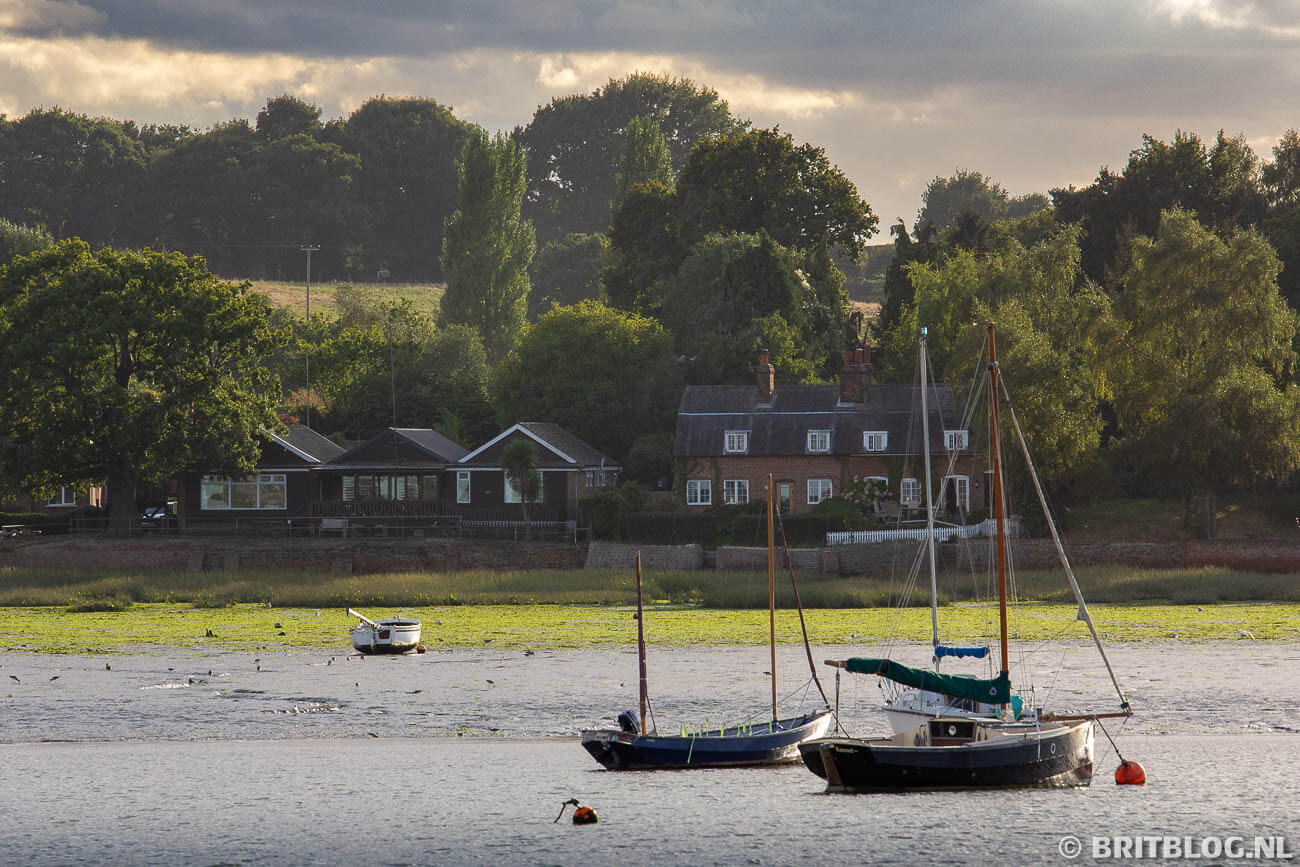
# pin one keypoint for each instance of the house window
(910, 492)
(958, 492)
(512, 496)
(818, 490)
(874, 440)
(735, 492)
(699, 492)
(595, 478)
(462, 486)
(819, 440)
(389, 487)
(65, 497)
(956, 440)
(736, 442)
(264, 491)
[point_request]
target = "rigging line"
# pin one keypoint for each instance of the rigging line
(1060, 549)
(812, 666)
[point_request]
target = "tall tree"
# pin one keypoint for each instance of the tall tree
(519, 460)
(566, 272)
(487, 246)
(127, 368)
(16, 240)
(575, 144)
(287, 115)
(645, 157)
(944, 200)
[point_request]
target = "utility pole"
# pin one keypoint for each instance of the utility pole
(309, 249)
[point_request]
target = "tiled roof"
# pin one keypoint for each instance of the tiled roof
(434, 443)
(582, 453)
(309, 442)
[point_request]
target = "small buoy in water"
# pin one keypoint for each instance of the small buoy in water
(1130, 773)
(581, 815)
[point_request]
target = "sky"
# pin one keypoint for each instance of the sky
(1035, 95)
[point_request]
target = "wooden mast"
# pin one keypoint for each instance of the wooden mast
(771, 590)
(999, 507)
(640, 641)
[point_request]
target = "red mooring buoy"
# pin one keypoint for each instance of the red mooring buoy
(585, 816)
(1130, 773)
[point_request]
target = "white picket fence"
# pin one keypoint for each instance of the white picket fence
(941, 534)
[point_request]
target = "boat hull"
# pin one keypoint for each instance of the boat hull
(1060, 756)
(386, 636)
(727, 748)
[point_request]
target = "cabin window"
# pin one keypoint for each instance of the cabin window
(956, 440)
(699, 492)
(735, 492)
(263, 491)
(462, 486)
(874, 440)
(736, 442)
(512, 496)
(403, 486)
(819, 440)
(595, 478)
(819, 490)
(65, 497)
(910, 492)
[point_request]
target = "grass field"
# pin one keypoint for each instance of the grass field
(324, 296)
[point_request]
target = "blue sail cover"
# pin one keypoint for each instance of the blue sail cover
(960, 652)
(995, 691)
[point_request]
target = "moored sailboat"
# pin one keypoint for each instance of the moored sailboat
(969, 751)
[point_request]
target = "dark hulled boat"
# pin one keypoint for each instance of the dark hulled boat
(769, 743)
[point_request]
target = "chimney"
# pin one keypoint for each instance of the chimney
(855, 375)
(765, 376)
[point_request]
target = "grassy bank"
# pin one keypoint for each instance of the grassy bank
(325, 296)
(520, 627)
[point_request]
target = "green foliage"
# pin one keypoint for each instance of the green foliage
(16, 240)
(645, 157)
(286, 115)
(487, 246)
(624, 362)
(645, 246)
(650, 459)
(519, 461)
(135, 366)
(944, 200)
(607, 513)
(566, 272)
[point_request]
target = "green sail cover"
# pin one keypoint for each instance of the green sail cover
(995, 691)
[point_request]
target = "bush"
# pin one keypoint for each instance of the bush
(607, 513)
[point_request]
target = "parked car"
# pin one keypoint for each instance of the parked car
(159, 519)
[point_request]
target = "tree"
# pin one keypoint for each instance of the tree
(946, 199)
(1281, 178)
(127, 368)
(645, 157)
(16, 240)
(1198, 365)
(487, 246)
(519, 460)
(287, 115)
(576, 143)
(606, 375)
(566, 272)
(760, 179)
(645, 245)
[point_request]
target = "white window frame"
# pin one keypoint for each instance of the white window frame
(825, 489)
(595, 478)
(875, 440)
(510, 495)
(961, 490)
(956, 440)
(735, 442)
(699, 492)
(464, 489)
(263, 483)
(819, 441)
(67, 496)
(735, 492)
(915, 499)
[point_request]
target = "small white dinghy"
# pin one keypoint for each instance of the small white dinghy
(395, 635)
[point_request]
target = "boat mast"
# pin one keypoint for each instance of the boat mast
(929, 509)
(999, 507)
(640, 641)
(771, 590)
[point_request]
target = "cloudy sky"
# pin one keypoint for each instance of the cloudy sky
(1033, 94)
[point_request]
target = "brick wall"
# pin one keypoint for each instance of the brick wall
(735, 559)
(617, 555)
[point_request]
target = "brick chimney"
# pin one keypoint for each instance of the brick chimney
(765, 376)
(855, 375)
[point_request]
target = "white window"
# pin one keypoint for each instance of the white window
(699, 492)
(595, 478)
(910, 492)
(959, 488)
(462, 486)
(956, 440)
(819, 440)
(65, 497)
(263, 491)
(735, 491)
(512, 496)
(737, 442)
(818, 490)
(874, 440)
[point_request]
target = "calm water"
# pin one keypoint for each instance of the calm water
(472, 754)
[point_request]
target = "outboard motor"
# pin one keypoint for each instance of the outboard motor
(630, 721)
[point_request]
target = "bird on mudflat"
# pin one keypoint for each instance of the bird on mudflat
(107, 667)
(52, 679)
(14, 677)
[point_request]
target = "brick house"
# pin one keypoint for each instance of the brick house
(814, 439)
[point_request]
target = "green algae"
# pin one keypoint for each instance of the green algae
(254, 627)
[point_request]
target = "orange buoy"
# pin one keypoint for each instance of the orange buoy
(1130, 773)
(585, 816)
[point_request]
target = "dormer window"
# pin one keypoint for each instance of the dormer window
(956, 440)
(875, 440)
(819, 441)
(736, 442)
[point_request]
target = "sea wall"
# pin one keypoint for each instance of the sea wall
(671, 558)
